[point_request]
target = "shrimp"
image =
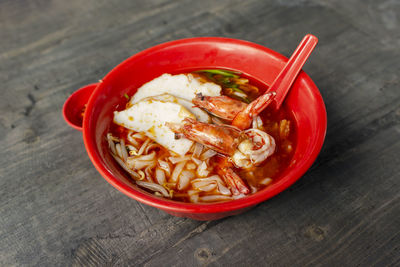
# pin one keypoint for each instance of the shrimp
(223, 106)
(221, 138)
(237, 112)
(242, 148)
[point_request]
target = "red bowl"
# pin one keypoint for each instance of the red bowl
(255, 61)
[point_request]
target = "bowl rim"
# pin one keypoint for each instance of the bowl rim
(203, 208)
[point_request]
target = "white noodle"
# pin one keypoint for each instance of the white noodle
(193, 196)
(112, 146)
(208, 154)
(208, 188)
(215, 178)
(112, 138)
(144, 145)
(184, 179)
(140, 164)
(152, 146)
(202, 170)
(123, 150)
(154, 187)
(148, 172)
(224, 190)
(150, 156)
(177, 171)
(160, 176)
(138, 136)
(175, 160)
(197, 161)
(191, 166)
(122, 164)
(165, 166)
(198, 148)
(119, 151)
(132, 140)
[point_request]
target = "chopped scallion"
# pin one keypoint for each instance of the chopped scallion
(222, 72)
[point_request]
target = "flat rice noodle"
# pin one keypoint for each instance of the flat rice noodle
(198, 148)
(112, 146)
(215, 178)
(149, 172)
(112, 138)
(123, 150)
(160, 176)
(192, 192)
(202, 170)
(177, 171)
(224, 190)
(126, 168)
(133, 140)
(151, 147)
(194, 196)
(191, 166)
(197, 161)
(140, 164)
(140, 136)
(144, 145)
(165, 166)
(208, 154)
(154, 187)
(175, 160)
(212, 198)
(184, 179)
(150, 156)
(119, 151)
(208, 188)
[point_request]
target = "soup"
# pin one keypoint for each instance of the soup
(200, 137)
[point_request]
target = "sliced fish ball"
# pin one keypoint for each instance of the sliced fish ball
(150, 115)
(184, 86)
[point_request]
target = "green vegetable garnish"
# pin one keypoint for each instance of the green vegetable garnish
(126, 96)
(226, 73)
(238, 90)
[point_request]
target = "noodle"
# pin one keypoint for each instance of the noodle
(192, 176)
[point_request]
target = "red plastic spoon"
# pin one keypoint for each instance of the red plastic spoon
(281, 85)
(288, 74)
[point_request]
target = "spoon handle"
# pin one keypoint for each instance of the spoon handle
(288, 74)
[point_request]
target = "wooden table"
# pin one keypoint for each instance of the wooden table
(55, 208)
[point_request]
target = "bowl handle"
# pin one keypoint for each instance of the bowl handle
(74, 106)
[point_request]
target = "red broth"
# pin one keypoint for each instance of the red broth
(279, 124)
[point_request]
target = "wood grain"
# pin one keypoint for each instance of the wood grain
(55, 208)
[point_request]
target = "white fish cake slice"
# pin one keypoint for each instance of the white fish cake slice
(184, 86)
(150, 115)
(200, 114)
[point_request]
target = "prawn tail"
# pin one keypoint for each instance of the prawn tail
(234, 182)
(261, 103)
(244, 118)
